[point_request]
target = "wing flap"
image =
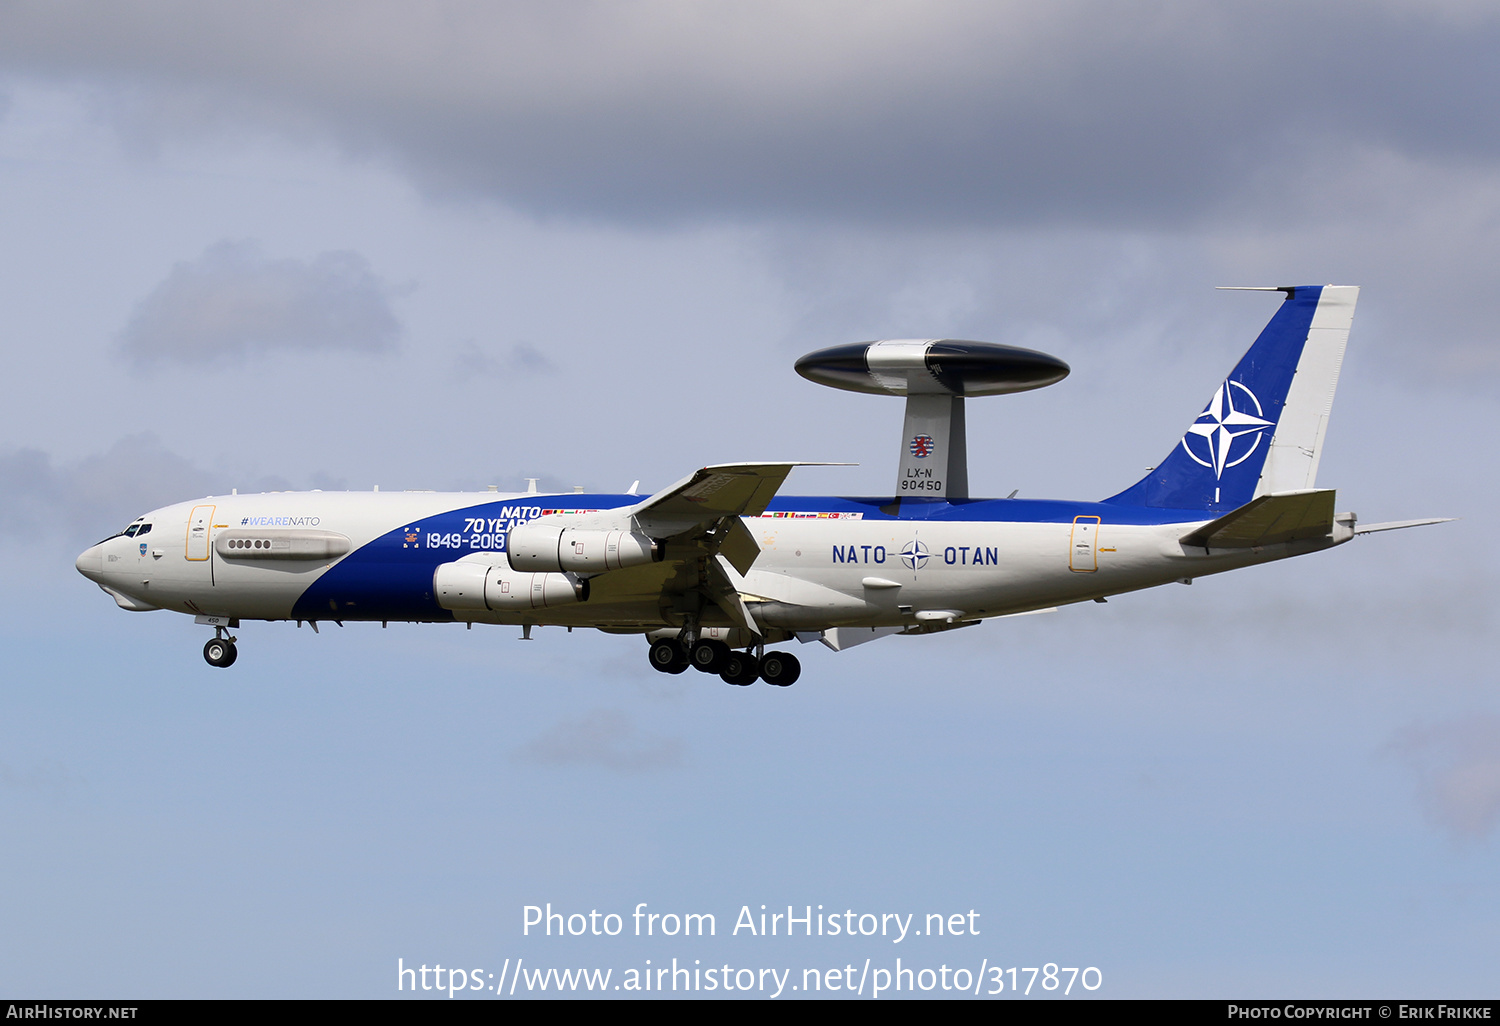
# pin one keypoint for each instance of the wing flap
(1267, 520)
(724, 588)
(739, 546)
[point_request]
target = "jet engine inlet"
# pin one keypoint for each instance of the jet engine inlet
(542, 548)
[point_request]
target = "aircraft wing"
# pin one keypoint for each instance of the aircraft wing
(699, 518)
(708, 495)
(704, 509)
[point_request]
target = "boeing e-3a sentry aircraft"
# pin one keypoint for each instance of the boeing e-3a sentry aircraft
(716, 567)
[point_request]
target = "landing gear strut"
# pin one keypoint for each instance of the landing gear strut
(220, 650)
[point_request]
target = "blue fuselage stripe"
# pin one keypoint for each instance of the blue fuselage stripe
(391, 577)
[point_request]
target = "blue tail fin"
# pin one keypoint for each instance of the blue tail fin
(1217, 465)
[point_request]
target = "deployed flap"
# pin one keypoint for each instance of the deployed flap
(1279, 517)
(739, 546)
(724, 587)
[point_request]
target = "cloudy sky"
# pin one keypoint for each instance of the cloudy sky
(445, 245)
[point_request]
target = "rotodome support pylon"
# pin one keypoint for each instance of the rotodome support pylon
(935, 376)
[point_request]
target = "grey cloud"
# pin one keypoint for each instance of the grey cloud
(85, 500)
(233, 301)
(1453, 606)
(529, 360)
(508, 481)
(53, 781)
(1457, 765)
(520, 360)
(74, 503)
(1424, 255)
(958, 113)
(604, 737)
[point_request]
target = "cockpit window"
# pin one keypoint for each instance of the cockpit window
(135, 530)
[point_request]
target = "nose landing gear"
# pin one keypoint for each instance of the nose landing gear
(220, 650)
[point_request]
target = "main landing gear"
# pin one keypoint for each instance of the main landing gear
(220, 650)
(780, 668)
(669, 656)
(742, 669)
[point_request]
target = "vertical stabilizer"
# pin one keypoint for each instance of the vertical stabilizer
(1292, 463)
(1263, 429)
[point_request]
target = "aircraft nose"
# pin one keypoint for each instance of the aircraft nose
(90, 562)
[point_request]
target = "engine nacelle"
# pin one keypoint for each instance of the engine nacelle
(547, 547)
(473, 586)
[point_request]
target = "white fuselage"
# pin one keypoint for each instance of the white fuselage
(815, 570)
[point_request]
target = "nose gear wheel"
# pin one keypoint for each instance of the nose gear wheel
(220, 652)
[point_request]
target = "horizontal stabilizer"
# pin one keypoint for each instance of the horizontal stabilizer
(1268, 519)
(1396, 525)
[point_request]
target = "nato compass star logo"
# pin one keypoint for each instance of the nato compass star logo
(1227, 431)
(914, 555)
